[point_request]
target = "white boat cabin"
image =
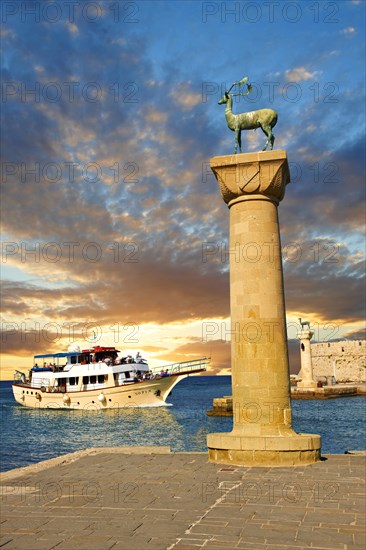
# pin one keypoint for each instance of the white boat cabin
(90, 369)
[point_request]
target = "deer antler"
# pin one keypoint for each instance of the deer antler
(249, 86)
(240, 83)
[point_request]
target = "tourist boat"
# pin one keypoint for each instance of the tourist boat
(97, 378)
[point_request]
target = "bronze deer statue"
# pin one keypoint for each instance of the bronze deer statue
(304, 323)
(264, 118)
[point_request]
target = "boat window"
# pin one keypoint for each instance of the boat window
(127, 374)
(74, 359)
(73, 381)
(85, 379)
(100, 378)
(93, 379)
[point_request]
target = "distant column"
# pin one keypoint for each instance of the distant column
(306, 361)
(252, 185)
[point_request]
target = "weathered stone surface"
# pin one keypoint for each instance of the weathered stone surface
(345, 360)
(196, 504)
(252, 185)
(251, 173)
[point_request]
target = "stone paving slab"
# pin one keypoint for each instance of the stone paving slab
(115, 499)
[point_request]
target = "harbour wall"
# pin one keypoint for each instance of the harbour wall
(345, 360)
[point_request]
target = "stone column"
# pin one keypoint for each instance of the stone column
(306, 361)
(252, 185)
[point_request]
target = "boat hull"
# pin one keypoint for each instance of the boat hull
(148, 393)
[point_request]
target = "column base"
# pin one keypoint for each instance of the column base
(311, 384)
(288, 450)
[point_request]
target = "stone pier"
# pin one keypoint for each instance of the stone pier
(252, 185)
(306, 361)
(115, 499)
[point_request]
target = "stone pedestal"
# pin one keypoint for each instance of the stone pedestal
(306, 361)
(252, 185)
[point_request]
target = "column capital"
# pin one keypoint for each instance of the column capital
(241, 176)
(306, 335)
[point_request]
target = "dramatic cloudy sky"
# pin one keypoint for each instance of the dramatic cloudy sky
(113, 226)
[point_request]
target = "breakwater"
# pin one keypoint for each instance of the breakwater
(223, 406)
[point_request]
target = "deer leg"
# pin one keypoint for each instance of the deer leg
(270, 138)
(272, 141)
(239, 140)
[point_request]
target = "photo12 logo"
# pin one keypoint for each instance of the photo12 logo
(323, 173)
(253, 252)
(90, 492)
(52, 252)
(269, 491)
(274, 91)
(70, 11)
(70, 172)
(70, 91)
(51, 332)
(269, 12)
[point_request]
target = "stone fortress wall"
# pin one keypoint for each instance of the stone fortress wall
(346, 360)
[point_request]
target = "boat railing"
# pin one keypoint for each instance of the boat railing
(40, 382)
(184, 366)
(20, 377)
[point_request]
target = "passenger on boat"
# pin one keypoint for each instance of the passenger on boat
(22, 377)
(139, 359)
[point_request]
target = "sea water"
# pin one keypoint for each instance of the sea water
(31, 435)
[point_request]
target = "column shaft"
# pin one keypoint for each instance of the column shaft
(260, 370)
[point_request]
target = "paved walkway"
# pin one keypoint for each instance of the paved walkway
(153, 499)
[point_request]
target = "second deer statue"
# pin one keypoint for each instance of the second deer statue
(264, 118)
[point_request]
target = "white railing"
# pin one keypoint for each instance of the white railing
(185, 366)
(20, 377)
(38, 382)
